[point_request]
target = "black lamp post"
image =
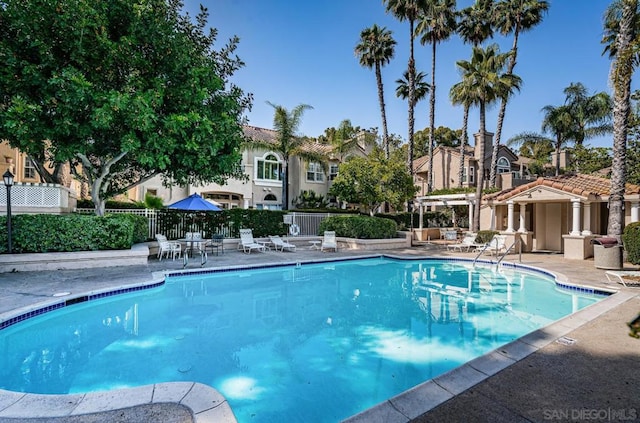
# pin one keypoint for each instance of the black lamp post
(8, 182)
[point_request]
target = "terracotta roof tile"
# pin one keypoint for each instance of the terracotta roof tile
(578, 184)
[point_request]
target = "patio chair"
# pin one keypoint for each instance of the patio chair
(280, 244)
(329, 241)
(216, 243)
(467, 244)
(166, 248)
(247, 243)
(194, 241)
(497, 245)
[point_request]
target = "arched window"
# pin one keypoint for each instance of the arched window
(270, 197)
(269, 168)
(503, 165)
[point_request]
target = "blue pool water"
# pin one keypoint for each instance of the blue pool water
(317, 342)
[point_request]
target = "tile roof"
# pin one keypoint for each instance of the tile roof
(271, 136)
(578, 184)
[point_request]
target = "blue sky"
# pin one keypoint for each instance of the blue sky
(303, 52)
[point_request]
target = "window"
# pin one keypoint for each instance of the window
(503, 165)
(315, 173)
(151, 191)
(468, 171)
(29, 169)
(333, 172)
(270, 197)
(269, 168)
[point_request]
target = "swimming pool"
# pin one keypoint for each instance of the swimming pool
(318, 342)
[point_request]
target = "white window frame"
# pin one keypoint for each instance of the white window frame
(503, 168)
(29, 170)
(468, 171)
(262, 162)
(333, 171)
(315, 171)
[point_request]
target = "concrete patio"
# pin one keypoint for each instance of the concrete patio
(581, 368)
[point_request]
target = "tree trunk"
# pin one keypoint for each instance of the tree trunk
(480, 179)
(621, 75)
(464, 140)
(502, 112)
(385, 133)
(285, 184)
(432, 117)
(412, 90)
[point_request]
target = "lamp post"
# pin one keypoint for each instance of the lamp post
(8, 182)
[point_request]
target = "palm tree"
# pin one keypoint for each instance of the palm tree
(592, 113)
(486, 81)
(288, 144)
(621, 30)
(437, 24)
(474, 27)
(513, 16)
(421, 87)
(408, 10)
(460, 94)
(375, 49)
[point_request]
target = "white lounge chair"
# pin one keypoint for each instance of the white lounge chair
(329, 241)
(166, 248)
(280, 244)
(633, 277)
(497, 245)
(248, 243)
(467, 244)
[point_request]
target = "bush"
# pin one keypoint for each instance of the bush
(631, 240)
(429, 219)
(42, 233)
(485, 236)
(363, 227)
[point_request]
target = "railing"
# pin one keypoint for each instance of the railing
(150, 214)
(308, 223)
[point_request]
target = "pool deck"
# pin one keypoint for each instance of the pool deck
(582, 368)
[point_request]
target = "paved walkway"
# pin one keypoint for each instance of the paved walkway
(593, 378)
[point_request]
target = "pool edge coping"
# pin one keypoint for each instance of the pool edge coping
(404, 406)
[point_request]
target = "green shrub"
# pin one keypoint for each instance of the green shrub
(363, 227)
(429, 219)
(42, 233)
(140, 225)
(631, 241)
(485, 236)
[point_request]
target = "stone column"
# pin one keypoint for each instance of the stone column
(576, 217)
(420, 207)
(470, 214)
(586, 217)
(523, 209)
(510, 216)
(635, 211)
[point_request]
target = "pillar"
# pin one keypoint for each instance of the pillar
(493, 218)
(635, 211)
(420, 208)
(523, 209)
(586, 219)
(510, 216)
(471, 214)
(576, 217)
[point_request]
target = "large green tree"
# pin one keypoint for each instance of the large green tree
(484, 73)
(375, 49)
(372, 180)
(437, 23)
(512, 16)
(123, 89)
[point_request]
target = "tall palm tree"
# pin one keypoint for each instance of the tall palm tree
(460, 95)
(437, 24)
(622, 19)
(408, 10)
(591, 112)
(485, 77)
(474, 27)
(421, 87)
(513, 16)
(288, 144)
(376, 49)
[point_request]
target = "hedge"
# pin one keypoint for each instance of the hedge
(631, 241)
(363, 227)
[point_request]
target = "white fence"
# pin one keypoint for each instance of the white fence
(37, 196)
(308, 223)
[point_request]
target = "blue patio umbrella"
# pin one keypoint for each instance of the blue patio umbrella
(194, 202)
